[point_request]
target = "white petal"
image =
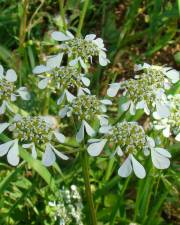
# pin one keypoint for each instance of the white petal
(4, 148)
(33, 149)
(125, 106)
(132, 109)
(48, 157)
(119, 151)
(34, 153)
(69, 96)
(126, 168)
(8, 106)
(17, 117)
(177, 138)
(95, 149)
(151, 142)
(69, 34)
(163, 152)
(166, 132)
(54, 61)
(143, 105)
(60, 137)
(89, 129)
(60, 154)
(146, 151)
(104, 129)
(13, 154)
(138, 67)
(83, 64)
(27, 145)
(86, 90)
(85, 81)
(3, 126)
(103, 61)
(80, 134)
(93, 140)
(73, 62)
(113, 89)
(41, 69)
(43, 83)
(1, 71)
(23, 92)
(140, 105)
(59, 36)
(106, 102)
(60, 100)
(80, 92)
(103, 120)
(13, 97)
(99, 42)
(159, 161)
(156, 116)
(173, 75)
(3, 108)
(162, 110)
(138, 168)
(159, 127)
(90, 37)
(63, 112)
(11, 75)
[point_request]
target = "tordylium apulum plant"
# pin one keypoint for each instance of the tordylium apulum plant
(65, 77)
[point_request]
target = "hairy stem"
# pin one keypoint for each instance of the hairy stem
(85, 168)
(82, 16)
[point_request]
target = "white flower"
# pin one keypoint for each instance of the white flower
(146, 91)
(67, 206)
(170, 73)
(171, 124)
(8, 92)
(62, 78)
(82, 50)
(31, 132)
(128, 139)
(86, 108)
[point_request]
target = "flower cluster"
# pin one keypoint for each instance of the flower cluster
(31, 132)
(128, 140)
(82, 50)
(61, 78)
(8, 91)
(68, 209)
(147, 90)
(86, 108)
(171, 124)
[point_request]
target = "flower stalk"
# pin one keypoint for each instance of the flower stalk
(82, 16)
(85, 168)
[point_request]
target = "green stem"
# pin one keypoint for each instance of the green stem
(82, 16)
(46, 103)
(85, 168)
(62, 13)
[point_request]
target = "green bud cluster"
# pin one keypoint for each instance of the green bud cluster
(32, 129)
(6, 89)
(86, 107)
(65, 77)
(81, 47)
(127, 135)
(145, 86)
